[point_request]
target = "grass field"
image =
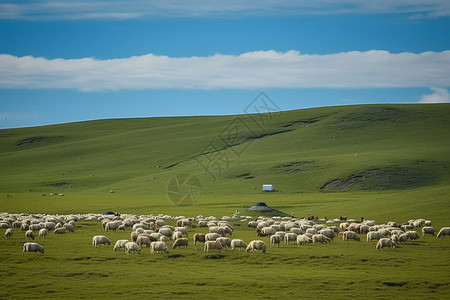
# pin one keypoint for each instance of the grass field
(383, 162)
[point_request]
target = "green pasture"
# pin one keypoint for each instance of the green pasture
(380, 162)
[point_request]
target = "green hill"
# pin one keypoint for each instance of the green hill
(371, 160)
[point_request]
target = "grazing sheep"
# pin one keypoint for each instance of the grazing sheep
(281, 234)
(275, 239)
(120, 244)
(224, 241)
(155, 236)
(256, 245)
(443, 232)
(211, 236)
(69, 227)
(32, 247)
(351, 235)
(132, 247)
(394, 237)
(303, 239)
(290, 237)
(29, 234)
(297, 231)
(374, 235)
(158, 247)
(122, 227)
(111, 226)
(100, 240)
(412, 235)
(134, 236)
(8, 233)
(60, 230)
(222, 230)
(143, 240)
(180, 242)
(43, 233)
(24, 227)
(34, 227)
(329, 233)
(183, 230)
(49, 225)
(427, 223)
(166, 231)
(177, 235)
(385, 242)
(311, 231)
(237, 243)
(344, 226)
(209, 245)
(267, 231)
(427, 230)
(363, 229)
(199, 237)
(320, 238)
(402, 238)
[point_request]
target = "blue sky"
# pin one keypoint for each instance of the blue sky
(65, 61)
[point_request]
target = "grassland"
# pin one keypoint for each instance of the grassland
(384, 162)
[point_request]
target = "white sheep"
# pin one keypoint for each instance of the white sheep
(157, 247)
(180, 242)
(427, 230)
(183, 230)
(43, 233)
(166, 231)
(281, 234)
(385, 242)
(143, 239)
(350, 235)
(268, 231)
(275, 240)
(61, 230)
(412, 235)
(374, 235)
(296, 230)
(211, 236)
(132, 247)
(237, 243)
(199, 237)
(8, 233)
(290, 237)
(120, 244)
(311, 231)
(32, 247)
(256, 245)
(224, 241)
(402, 238)
(100, 240)
(29, 234)
(320, 238)
(443, 232)
(209, 245)
(177, 235)
(303, 239)
(329, 233)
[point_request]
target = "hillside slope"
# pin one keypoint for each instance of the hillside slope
(325, 151)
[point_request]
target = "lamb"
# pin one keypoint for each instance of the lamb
(351, 235)
(100, 240)
(132, 247)
(412, 235)
(32, 247)
(374, 235)
(256, 245)
(29, 234)
(211, 236)
(290, 237)
(385, 242)
(8, 233)
(43, 233)
(320, 238)
(212, 245)
(275, 239)
(427, 230)
(180, 242)
(303, 239)
(224, 241)
(143, 240)
(199, 237)
(237, 243)
(443, 232)
(120, 244)
(158, 247)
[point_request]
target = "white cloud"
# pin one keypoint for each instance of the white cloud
(251, 70)
(121, 9)
(439, 95)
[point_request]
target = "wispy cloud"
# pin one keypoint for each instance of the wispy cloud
(121, 9)
(251, 70)
(439, 95)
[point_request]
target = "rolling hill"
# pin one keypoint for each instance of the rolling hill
(354, 160)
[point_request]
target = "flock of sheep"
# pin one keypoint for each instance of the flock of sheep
(152, 231)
